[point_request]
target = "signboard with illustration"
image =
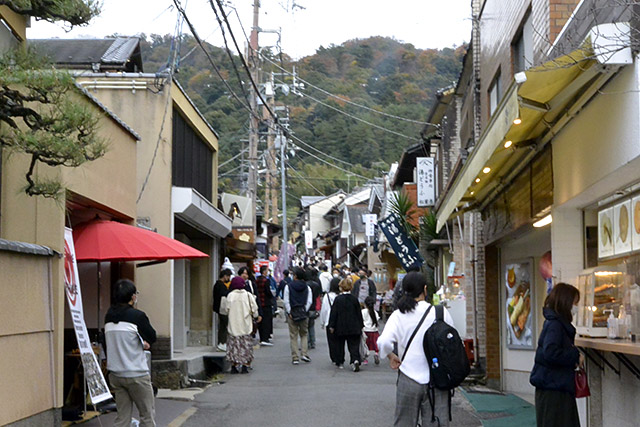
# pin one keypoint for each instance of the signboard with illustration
(96, 384)
(519, 290)
(426, 181)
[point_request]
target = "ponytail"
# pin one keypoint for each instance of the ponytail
(369, 302)
(413, 285)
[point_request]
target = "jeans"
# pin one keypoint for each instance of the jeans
(312, 329)
(128, 391)
(298, 329)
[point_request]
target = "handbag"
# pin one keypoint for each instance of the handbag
(582, 384)
(364, 349)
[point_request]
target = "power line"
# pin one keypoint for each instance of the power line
(348, 101)
(360, 120)
(224, 37)
(330, 164)
(233, 158)
(304, 179)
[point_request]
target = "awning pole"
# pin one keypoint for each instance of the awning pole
(98, 327)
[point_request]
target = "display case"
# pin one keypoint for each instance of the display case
(601, 289)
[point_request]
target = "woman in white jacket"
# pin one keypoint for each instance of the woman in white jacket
(413, 377)
(325, 312)
(241, 307)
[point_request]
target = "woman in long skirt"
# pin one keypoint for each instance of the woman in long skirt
(241, 307)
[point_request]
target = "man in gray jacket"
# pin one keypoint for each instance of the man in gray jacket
(128, 333)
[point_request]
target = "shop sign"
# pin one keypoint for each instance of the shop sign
(308, 239)
(426, 181)
(98, 389)
(244, 234)
(370, 221)
(404, 248)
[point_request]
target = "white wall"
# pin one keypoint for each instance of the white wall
(517, 364)
(591, 149)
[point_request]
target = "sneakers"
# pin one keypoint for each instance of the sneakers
(266, 343)
(295, 362)
(366, 362)
(245, 370)
(234, 370)
(222, 347)
(355, 366)
(339, 366)
(376, 359)
(305, 359)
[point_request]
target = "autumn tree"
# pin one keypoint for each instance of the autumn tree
(38, 114)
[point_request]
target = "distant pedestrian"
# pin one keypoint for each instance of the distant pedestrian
(371, 318)
(128, 333)
(220, 290)
(316, 295)
(553, 373)
(363, 287)
(241, 307)
(265, 300)
(325, 278)
(346, 322)
(412, 390)
(325, 312)
(297, 301)
(286, 279)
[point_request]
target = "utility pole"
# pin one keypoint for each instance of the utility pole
(254, 123)
(283, 176)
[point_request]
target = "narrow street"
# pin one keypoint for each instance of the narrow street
(276, 393)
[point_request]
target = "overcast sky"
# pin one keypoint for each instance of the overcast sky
(306, 24)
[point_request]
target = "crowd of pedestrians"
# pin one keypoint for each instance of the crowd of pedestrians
(347, 306)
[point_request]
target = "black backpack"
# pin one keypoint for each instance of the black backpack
(445, 353)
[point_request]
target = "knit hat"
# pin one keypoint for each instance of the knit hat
(237, 283)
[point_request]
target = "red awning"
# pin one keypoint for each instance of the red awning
(102, 240)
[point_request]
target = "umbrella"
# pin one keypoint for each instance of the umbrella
(101, 240)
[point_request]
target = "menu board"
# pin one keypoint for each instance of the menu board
(622, 228)
(605, 233)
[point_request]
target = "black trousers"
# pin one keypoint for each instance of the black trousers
(265, 328)
(353, 343)
(223, 323)
(332, 341)
(556, 409)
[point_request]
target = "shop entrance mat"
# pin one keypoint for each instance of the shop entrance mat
(497, 409)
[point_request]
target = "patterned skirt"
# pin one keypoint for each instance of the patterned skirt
(240, 349)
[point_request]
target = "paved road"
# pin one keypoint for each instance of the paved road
(277, 393)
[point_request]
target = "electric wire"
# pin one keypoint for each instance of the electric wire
(226, 45)
(328, 163)
(411, 138)
(348, 101)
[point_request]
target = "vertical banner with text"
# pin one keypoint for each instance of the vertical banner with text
(426, 181)
(405, 249)
(98, 389)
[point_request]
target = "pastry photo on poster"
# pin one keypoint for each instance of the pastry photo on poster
(518, 279)
(605, 233)
(635, 223)
(622, 228)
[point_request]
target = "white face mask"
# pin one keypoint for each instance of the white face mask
(574, 311)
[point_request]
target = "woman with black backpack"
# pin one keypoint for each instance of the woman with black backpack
(412, 319)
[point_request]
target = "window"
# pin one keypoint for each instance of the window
(495, 93)
(522, 47)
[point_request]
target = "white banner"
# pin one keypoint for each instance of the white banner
(308, 239)
(426, 181)
(98, 389)
(370, 221)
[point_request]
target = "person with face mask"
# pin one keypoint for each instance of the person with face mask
(556, 358)
(363, 287)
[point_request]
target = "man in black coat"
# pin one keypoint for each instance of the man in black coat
(345, 321)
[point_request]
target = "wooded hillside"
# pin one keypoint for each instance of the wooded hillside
(379, 73)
